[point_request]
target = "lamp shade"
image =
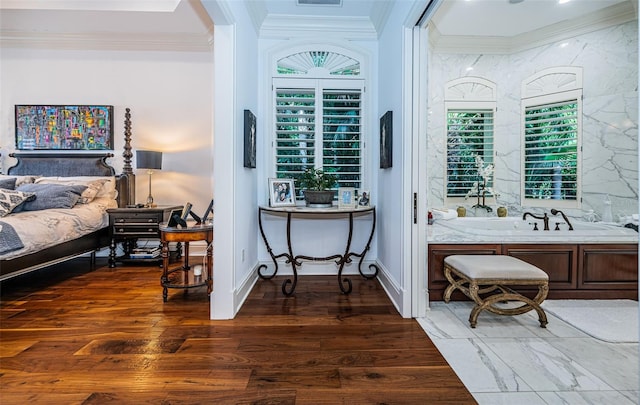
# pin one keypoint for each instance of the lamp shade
(148, 159)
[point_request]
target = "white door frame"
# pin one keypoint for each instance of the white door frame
(419, 184)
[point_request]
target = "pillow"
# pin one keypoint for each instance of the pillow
(51, 196)
(8, 183)
(19, 179)
(107, 190)
(93, 188)
(10, 199)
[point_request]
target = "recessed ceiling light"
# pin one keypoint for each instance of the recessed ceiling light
(563, 1)
(319, 2)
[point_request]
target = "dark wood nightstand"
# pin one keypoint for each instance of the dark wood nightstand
(127, 225)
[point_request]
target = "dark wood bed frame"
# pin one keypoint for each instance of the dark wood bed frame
(71, 164)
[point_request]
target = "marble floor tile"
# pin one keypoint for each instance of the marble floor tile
(509, 398)
(616, 367)
(478, 367)
(511, 360)
(585, 398)
(633, 396)
(544, 367)
(442, 323)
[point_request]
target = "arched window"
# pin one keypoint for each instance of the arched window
(552, 124)
(470, 105)
(319, 114)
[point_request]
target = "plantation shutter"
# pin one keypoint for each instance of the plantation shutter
(551, 151)
(319, 127)
(295, 131)
(469, 134)
(342, 132)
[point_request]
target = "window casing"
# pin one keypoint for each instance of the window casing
(551, 149)
(318, 124)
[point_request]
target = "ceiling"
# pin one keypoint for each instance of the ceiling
(186, 21)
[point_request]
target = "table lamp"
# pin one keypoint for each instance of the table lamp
(150, 160)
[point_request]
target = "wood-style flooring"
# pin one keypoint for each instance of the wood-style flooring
(73, 336)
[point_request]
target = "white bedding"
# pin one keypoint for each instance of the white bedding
(42, 229)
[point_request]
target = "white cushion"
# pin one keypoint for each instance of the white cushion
(495, 267)
(107, 190)
(20, 179)
(9, 199)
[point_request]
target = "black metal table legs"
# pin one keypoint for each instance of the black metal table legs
(289, 285)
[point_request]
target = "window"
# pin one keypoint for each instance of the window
(551, 150)
(552, 121)
(319, 126)
(470, 113)
(469, 135)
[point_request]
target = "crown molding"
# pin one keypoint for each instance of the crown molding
(180, 42)
(291, 26)
(608, 17)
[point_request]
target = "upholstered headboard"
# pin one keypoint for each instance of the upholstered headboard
(70, 164)
(62, 164)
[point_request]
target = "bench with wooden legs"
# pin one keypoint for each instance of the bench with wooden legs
(486, 279)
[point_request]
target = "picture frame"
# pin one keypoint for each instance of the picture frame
(175, 219)
(346, 197)
(386, 140)
(208, 212)
(282, 193)
(364, 198)
(64, 127)
(249, 139)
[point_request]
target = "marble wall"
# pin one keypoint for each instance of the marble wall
(609, 58)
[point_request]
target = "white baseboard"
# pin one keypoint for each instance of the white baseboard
(241, 293)
(393, 290)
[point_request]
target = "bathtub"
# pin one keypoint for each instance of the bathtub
(515, 228)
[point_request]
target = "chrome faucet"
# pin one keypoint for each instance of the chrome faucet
(556, 212)
(544, 218)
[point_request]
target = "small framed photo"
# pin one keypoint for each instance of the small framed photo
(346, 197)
(281, 193)
(249, 140)
(364, 198)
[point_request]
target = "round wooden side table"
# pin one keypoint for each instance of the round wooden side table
(183, 276)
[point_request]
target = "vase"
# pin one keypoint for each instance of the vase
(462, 211)
(319, 198)
(502, 211)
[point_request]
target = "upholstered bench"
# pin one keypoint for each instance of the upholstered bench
(490, 276)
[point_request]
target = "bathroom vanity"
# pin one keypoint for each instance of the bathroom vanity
(579, 265)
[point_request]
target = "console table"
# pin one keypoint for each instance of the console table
(289, 286)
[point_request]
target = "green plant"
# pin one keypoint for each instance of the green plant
(317, 179)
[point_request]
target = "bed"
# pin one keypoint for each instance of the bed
(52, 235)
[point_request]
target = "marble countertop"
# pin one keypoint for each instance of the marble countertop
(452, 233)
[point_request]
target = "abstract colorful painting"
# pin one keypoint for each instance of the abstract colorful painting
(77, 127)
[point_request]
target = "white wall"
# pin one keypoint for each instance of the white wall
(169, 94)
(609, 58)
(392, 242)
(246, 180)
(235, 83)
(313, 237)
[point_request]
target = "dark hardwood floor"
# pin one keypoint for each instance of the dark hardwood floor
(72, 336)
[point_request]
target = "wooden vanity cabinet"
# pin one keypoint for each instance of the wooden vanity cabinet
(576, 271)
(437, 254)
(608, 267)
(559, 261)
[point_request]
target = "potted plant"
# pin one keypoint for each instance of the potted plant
(316, 185)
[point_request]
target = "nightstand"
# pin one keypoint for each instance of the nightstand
(127, 225)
